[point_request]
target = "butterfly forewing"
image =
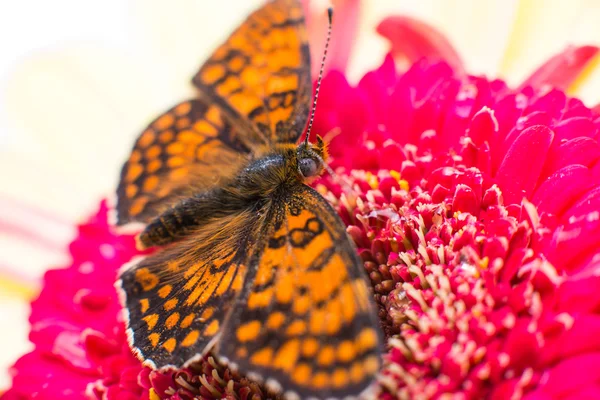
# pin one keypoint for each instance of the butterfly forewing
(261, 74)
(305, 317)
(187, 149)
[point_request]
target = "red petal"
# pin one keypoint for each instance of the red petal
(523, 163)
(413, 39)
(563, 69)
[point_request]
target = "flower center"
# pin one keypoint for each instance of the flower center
(455, 275)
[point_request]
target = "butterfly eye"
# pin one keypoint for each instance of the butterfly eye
(308, 167)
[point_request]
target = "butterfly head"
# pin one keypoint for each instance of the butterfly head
(312, 158)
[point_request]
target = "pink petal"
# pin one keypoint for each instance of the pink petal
(523, 163)
(552, 103)
(581, 150)
(576, 243)
(572, 374)
(560, 189)
(591, 392)
(581, 338)
(575, 127)
(413, 39)
(561, 70)
(465, 200)
(483, 126)
(392, 156)
(579, 295)
(41, 377)
(376, 91)
(589, 204)
(576, 108)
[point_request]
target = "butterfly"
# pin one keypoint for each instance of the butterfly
(254, 265)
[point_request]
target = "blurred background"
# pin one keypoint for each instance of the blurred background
(80, 80)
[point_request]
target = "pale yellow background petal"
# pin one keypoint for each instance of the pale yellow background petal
(73, 115)
(542, 28)
(477, 29)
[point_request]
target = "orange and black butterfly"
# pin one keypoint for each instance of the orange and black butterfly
(257, 266)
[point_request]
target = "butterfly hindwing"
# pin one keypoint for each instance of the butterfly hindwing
(305, 317)
(177, 299)
(189, 147)
(261, 74)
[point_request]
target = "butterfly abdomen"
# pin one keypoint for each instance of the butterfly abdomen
(192, 214)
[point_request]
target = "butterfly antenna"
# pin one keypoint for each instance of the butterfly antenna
(314, 106)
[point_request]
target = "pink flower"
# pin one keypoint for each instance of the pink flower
(476, 212)
(474, 207)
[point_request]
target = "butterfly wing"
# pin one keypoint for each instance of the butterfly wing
(190, 147)
(176, 300)
(261, 74)
(305, 317)
(255, 90)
